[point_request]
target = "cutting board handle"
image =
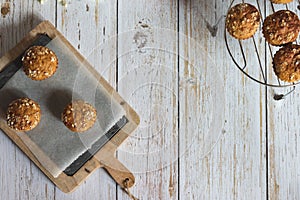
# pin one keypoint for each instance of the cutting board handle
(118, 172)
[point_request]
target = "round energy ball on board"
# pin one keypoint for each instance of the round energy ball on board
(281, 1)
(39, 63)
(242, 21)
(23, 114)
(281, 27)
(79, 116)
(286, 63)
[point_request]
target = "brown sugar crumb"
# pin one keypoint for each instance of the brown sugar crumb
(281, 27)
(79, 116)
(242, 21)
(23, 114)
(286, 63)
(39, 63)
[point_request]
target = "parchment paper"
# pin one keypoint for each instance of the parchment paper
(55, 146)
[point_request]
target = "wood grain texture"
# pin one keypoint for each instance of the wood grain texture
(86, 24)
(147, 79)
(236, 167)
(20, 178)
(283, 134)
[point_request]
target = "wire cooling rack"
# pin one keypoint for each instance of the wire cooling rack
(254, 56)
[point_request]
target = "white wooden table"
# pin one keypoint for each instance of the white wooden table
(255, 155)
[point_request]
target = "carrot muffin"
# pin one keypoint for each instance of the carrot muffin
(286, 63)
(39, 63)
(281, 1)
(79, 116)
(242, 21)
(281, 27)
(23, 114)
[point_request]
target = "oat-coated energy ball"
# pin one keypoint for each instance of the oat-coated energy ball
(23, 114)
(281, 27)
(242, 21)
(39, 63)
(286, 63)
(79, 116)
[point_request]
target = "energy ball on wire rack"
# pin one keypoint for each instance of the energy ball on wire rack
(39, 63)
(242, 21)
(23, 114)
(281, 27)
(79, 116)
(281, 1)
(286, 63)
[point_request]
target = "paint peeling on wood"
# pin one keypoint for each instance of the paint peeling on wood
(261, 135)
(140, 39)
(63, 16)
(42, 1)
(63, 3)
(97, 12)
(171, 184)
(234, 189)
(5, 9)
(46, 190)
(220, 163)
(79, 34)
(143, 35)
(207, 166)
(273, 185)
(217, 172)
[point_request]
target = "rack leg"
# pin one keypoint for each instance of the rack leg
(279, 97)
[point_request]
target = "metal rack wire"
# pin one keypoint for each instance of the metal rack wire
(264, 71)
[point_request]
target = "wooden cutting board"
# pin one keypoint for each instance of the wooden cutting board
(105, 157)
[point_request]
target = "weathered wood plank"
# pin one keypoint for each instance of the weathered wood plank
(283, 134)
(147, 79)
(20, 178)
(236, 167)
(87, 24)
